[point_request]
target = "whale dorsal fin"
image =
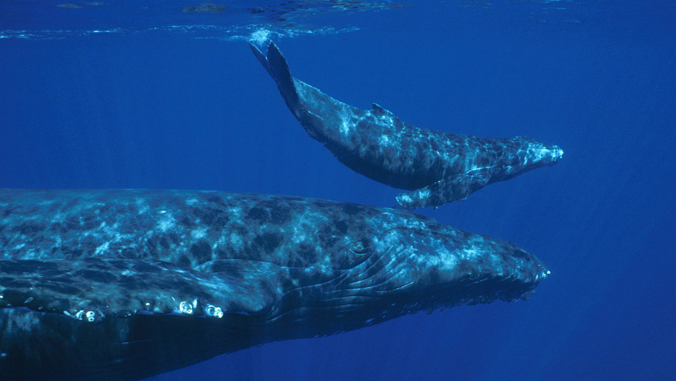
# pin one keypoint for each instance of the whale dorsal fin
(377, 110)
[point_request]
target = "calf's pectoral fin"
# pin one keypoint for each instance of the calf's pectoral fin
(446, 190)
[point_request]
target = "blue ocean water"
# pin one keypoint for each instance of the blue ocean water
(135, 95)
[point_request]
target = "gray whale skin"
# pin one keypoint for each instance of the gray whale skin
(127, 284)
(437, 167)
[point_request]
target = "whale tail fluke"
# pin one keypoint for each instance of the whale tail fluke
(278, 68)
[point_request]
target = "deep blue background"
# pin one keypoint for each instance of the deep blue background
(140, 110)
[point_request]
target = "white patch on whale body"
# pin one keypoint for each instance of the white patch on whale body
(142, 206)
(167, 221)
(102, 248)
(425, 193)
(405, 199)
(324, 266)
(199, 233)
(470, 253)
(236, 242)
(345, 127)
(384, 141)
(348, 119)
(447, 261)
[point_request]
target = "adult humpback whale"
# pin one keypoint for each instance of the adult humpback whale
(126, 284)
(438, 167)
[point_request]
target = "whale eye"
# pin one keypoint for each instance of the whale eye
(360, 247)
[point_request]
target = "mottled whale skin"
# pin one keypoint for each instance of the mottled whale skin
(126, 284)
(437, 167)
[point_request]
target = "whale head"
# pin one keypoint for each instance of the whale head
(226, 272)
(521, 154)
(387, 263)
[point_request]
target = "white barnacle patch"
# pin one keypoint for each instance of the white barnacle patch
(84, 315)
(214, 311)
(187, 308)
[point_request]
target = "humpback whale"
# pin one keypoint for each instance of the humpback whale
(437, 167)
(126, 284)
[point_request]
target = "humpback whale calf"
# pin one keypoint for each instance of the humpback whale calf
(126, 284)
(437, 167)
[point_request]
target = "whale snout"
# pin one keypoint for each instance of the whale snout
(557, 152)
(538, 153)
(552, 155)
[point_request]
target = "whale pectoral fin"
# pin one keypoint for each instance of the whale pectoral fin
(95, 288)
(446, 190)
